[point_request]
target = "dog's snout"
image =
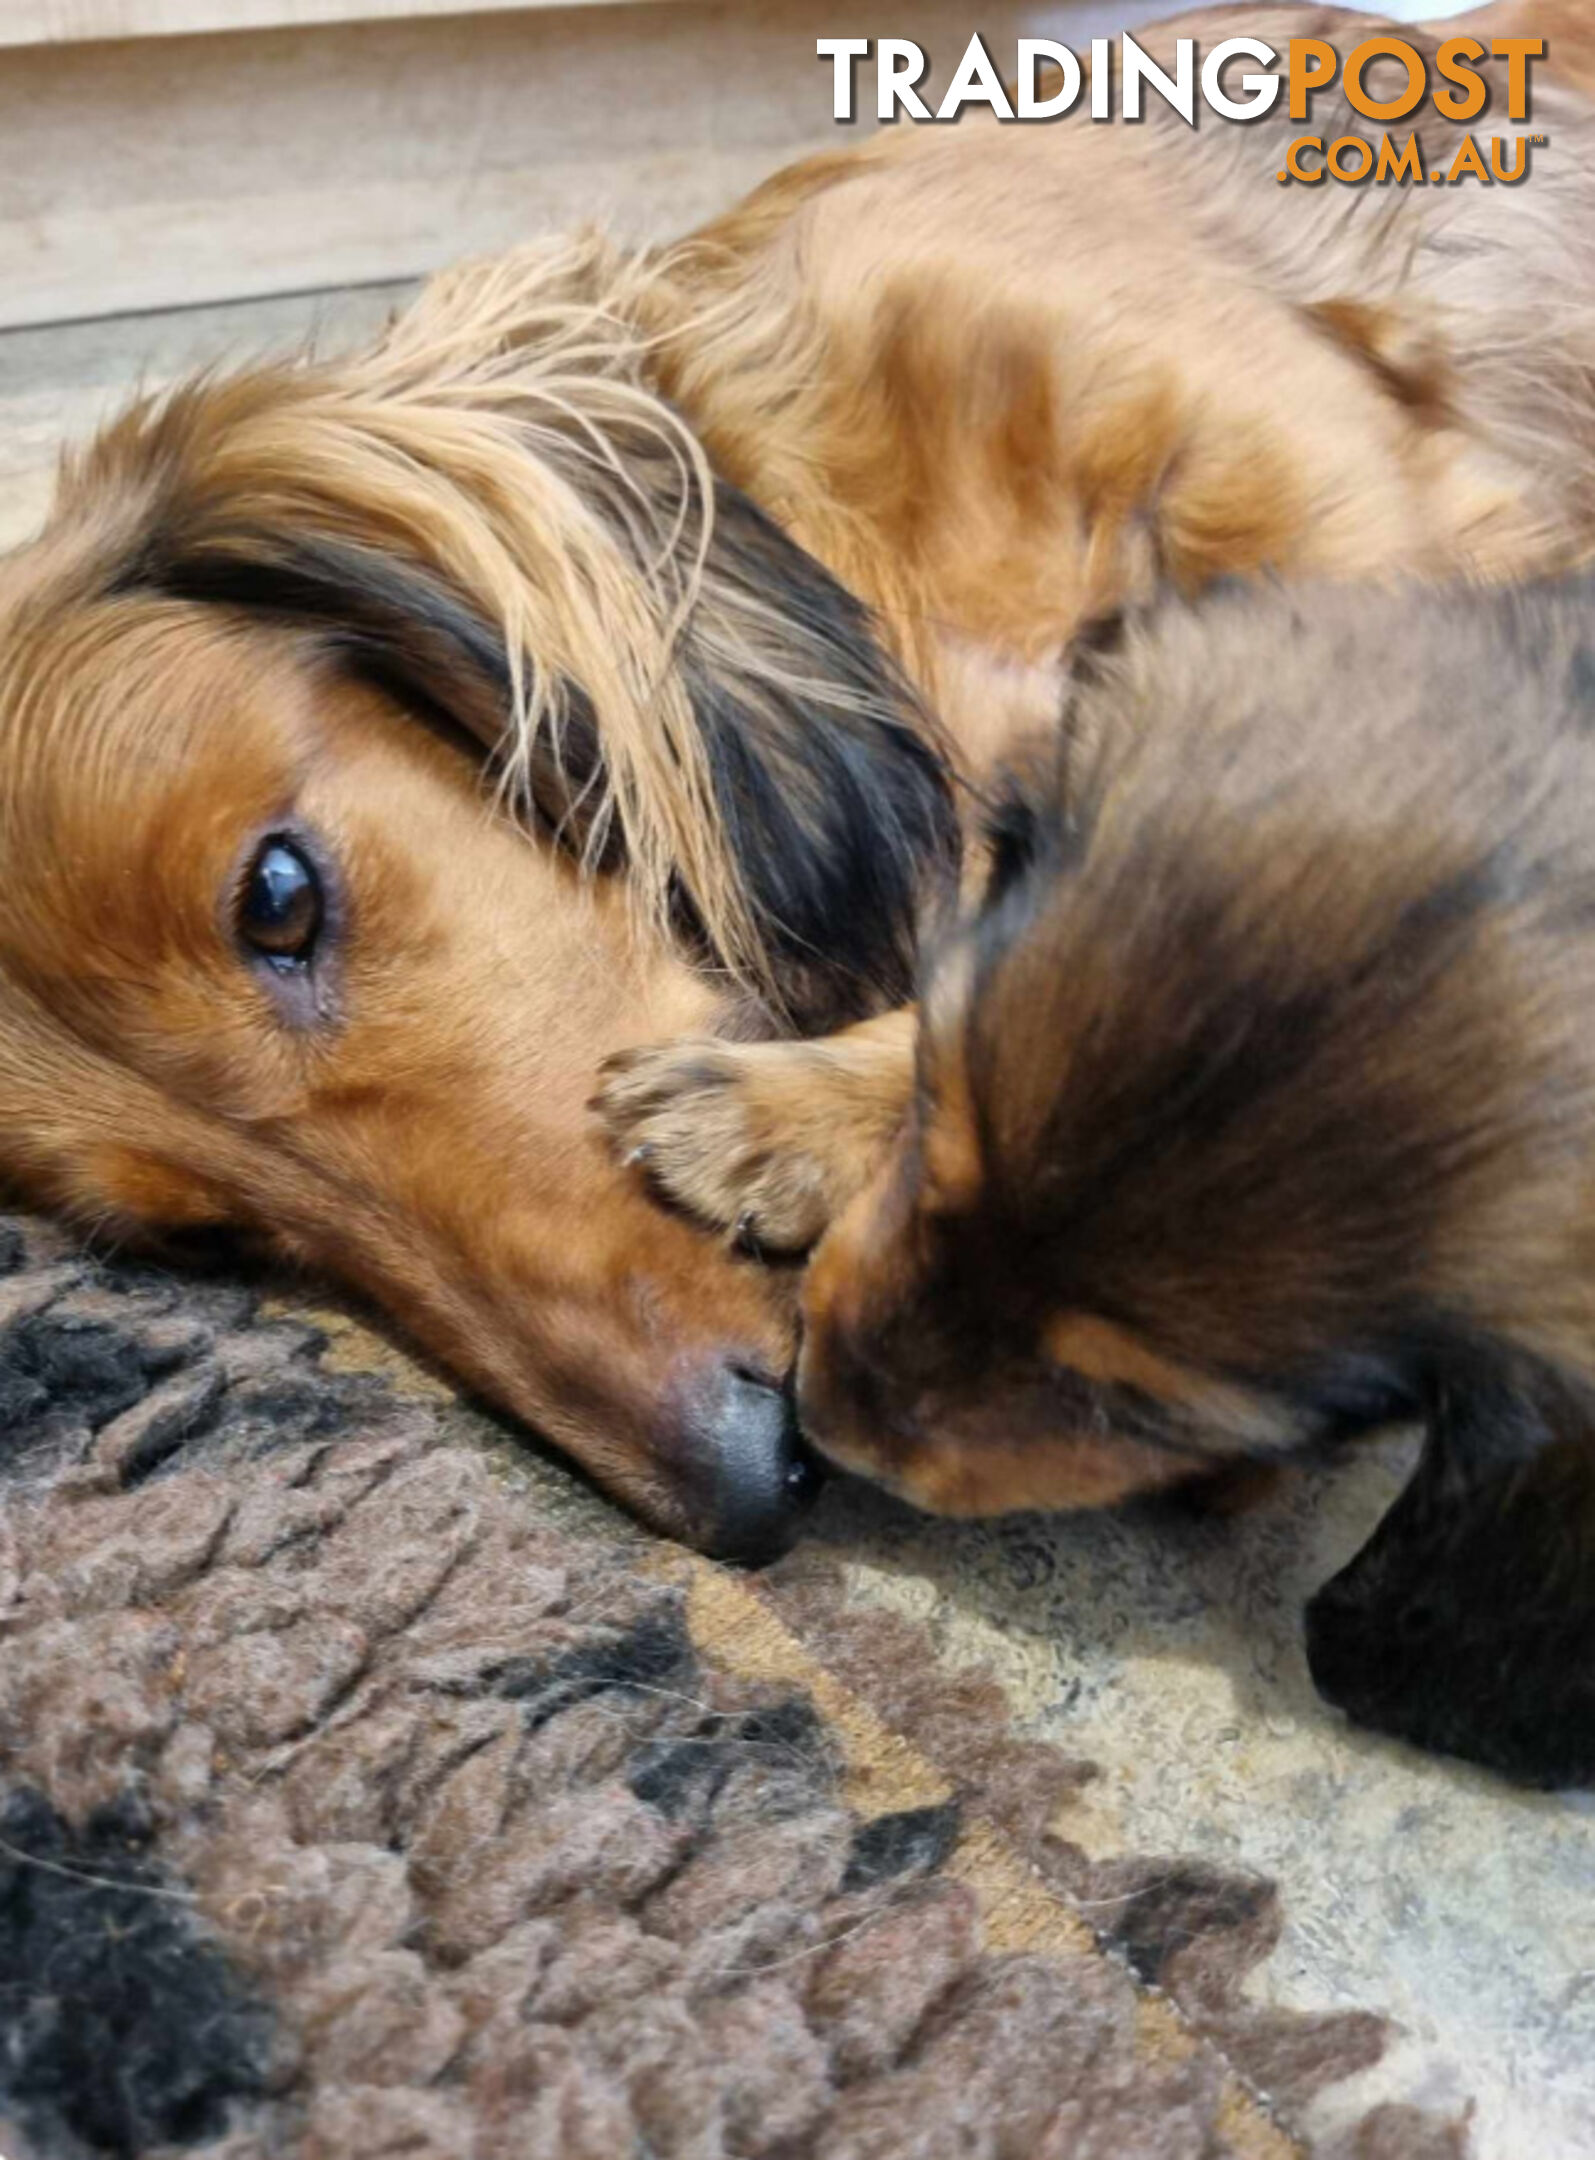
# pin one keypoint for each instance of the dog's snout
(763, 1478)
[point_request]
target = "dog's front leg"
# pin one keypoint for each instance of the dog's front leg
(769, 1141)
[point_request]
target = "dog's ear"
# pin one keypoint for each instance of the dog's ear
(1467, 1623)
(828, 776)
(775, 789)
(397, 624)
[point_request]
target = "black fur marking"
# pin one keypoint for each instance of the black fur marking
(840, 817)
(386, 613)
(914, 1842)
(121, 2026)
(399, 627)
(837, 808)
(1018, 835)
(1467, 1622)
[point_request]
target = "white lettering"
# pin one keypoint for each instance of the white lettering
(894, 85)
(841, 52)
(1263, 88)
(976, 83)
(1031, 52)
(1178, 90)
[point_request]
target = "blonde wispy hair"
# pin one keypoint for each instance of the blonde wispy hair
(502, 443)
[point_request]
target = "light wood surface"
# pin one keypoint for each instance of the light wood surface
(173, 171)
(70, 22)
(58, 384)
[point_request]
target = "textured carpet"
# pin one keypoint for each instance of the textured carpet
(367, 1788)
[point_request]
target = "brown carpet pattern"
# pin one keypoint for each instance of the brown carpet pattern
(355, 1802)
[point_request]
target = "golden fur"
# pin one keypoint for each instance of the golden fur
(677, 550)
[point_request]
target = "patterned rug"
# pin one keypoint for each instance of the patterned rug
(368, 1788)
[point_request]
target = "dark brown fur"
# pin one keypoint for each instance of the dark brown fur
(1255, 1107)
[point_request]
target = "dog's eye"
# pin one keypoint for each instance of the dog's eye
(280, 909)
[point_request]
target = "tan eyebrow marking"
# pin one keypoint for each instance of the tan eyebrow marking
(1222, 1415)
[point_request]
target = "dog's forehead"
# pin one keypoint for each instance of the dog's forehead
(130, 728)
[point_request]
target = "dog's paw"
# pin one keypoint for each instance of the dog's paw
(709, 1124)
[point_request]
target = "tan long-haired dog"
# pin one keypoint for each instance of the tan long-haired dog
(666, 555)
(1253, 1106)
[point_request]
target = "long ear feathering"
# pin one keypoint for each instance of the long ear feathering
(672, 680)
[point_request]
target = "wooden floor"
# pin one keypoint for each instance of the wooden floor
(58, 383)
(169, 170)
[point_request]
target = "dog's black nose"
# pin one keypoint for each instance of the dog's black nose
(764, 1480)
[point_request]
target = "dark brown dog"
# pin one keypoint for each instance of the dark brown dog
(1253, 1108)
